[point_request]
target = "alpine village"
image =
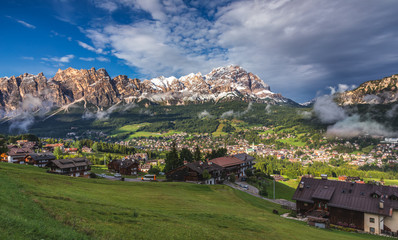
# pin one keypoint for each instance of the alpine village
(136, 122)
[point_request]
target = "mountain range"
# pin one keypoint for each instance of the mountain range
(98, 88)
(381, 91)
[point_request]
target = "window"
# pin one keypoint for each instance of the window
(372, 230)
(372, 220)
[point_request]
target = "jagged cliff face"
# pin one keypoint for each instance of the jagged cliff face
(97, 87)
(372, 92)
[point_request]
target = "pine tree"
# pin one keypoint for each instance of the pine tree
(186, 155)
(197, 155)
(172, 159)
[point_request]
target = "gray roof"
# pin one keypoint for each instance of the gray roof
(244, 157)
(71, 162)
(199, 167)
(348, 195)
(41, 156)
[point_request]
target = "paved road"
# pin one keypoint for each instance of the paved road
(138, 179)
(254, 191)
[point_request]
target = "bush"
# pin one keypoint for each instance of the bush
(252, 180)
(93, 175)
(263, 191)
(248, 172)
(231, 178)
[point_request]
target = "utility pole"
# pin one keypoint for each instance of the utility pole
(274, 189)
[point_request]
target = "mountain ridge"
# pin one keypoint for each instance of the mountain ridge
(381, 91)
(98, 88)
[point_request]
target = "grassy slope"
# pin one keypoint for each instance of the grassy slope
(40, 205)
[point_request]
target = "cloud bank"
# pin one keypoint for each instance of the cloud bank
(305, 40)
(342, 124)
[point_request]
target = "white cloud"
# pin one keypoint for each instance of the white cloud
(353, 126)
(64, 59)
(88, 59)
(28, 58)
(205, 114)
(102, 59)
(327, 110)
(90, 48)
(26, 24)
(107, 5)
(293, 46)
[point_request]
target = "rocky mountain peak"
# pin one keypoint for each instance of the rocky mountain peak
(381, 91)
(97, 87)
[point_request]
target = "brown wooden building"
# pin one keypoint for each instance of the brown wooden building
(17, 154)
(230, 165)
(368, 207)
(125, 166)
(193, 172)
(39, 159)
(75, 167)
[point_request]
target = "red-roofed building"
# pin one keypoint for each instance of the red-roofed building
(230, 165)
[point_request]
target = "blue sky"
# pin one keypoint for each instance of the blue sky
(299, 48)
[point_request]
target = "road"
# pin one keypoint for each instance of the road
(254, 191)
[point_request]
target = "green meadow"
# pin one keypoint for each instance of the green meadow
(38, 205)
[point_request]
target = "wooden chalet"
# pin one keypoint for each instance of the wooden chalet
(75, 167)
(51, 147)
(146, 167)
(230, 164)
(192, 172)
(17, 155)
(87, 149)
(129, 167)
(114, 165)
(71, 150)
(126, 166)
(248, 162)
(39, 159)
(368, 207)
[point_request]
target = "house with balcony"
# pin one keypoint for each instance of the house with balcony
(371, 208)
(74, 167)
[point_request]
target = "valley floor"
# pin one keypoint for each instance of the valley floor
(38, 205)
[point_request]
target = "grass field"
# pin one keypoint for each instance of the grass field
(38, 205)
(282, 191)
(219, 131)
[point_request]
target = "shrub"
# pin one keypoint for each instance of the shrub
(231, 178)
(252, 180)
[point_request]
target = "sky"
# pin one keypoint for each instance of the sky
(300, 48)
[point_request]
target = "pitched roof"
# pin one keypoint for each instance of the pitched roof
(227, 161)
(71, 162)
(347, 195)
(244, 157)
(199, 167)
(41, 156)
(19, 151)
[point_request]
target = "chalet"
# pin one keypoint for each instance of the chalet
(51, 147)
(87, 149)
(230, 165)
(248, 161)
(368, 207)
(114, 165)
(278, 178)
(39, 159)
(17, 155)
(129, 167)
(71, 150)
(141, 157)
(145, 167)
(193, 172)
(75, 167)
(126, 166)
